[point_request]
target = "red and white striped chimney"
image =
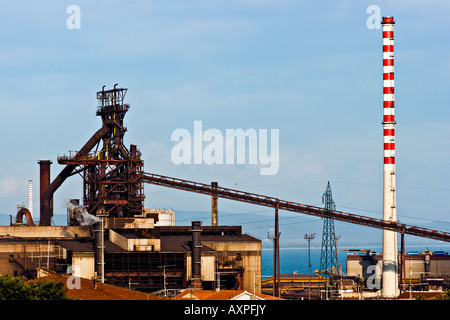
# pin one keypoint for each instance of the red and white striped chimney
(390, 254)
(30, 196)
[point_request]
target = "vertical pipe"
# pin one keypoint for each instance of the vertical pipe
(309, 238)
(390, 254)
(402, 270)
(47, 196)
(30, 196)
(96, 230)
(44, 177)
(275, 257)
(99, 248)
(277, 240)
(102, 242)
(309, 269)
(214, 210)
(196, 255)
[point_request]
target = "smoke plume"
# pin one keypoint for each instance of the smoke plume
(83, 217)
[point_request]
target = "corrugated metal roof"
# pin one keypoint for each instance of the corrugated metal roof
(182, 242)
(84, 245)
(77, 245)
(179, 244)
(227, 238)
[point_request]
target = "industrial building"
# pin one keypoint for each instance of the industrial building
(136, 254)
(111, 237)
(420, 271)
(295, 286)
(424, 271)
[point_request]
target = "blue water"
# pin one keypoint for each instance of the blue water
(292, 260)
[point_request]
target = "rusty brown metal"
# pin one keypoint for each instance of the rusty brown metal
(46, 210)
(25, 212)
(272, 202)
(214, 209)
(44, 177)
(112, 176)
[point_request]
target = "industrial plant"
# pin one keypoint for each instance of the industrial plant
(111, 238)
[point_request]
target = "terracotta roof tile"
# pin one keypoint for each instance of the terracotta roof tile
(103, 291)
(193, 294)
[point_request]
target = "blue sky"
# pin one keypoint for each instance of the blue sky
(311, 69)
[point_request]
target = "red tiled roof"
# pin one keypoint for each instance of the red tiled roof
(103, 291)
(218, 295)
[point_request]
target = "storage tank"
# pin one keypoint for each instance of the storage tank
(166, 218)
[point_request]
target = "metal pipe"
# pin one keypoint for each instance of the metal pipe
(196, 255)
(46, 210)
(275, 261)
(214, 211)
(123, 151)
(27, 213)
(267, 201)
(277, 250)
(309, 237)
(99, 247)
(44, 177)
(402, 266)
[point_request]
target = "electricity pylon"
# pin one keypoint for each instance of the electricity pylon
(328, 258)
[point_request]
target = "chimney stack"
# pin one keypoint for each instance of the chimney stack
(30, 196)
(390, 259)
(44, 177)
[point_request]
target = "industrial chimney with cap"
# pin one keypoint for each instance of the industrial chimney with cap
(390, 260)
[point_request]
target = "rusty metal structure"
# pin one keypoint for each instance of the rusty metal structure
(24, 212)
(113, 188)
(114, 178)
(46, 211)
(276, 203)
(214, 210)
(112, 174)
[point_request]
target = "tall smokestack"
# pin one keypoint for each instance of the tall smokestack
(390, 259)
(30, 196)
(44, 177)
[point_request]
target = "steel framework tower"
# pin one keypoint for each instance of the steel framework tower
(112, 174)
(390, 260)
(328, 257)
